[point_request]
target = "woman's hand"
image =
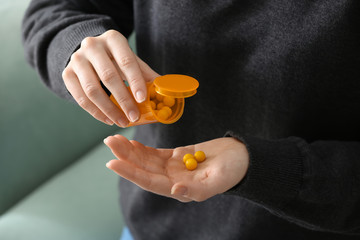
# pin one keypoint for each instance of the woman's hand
(162, 171)
(109, 59)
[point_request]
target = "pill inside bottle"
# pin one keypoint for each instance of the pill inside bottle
(165, 99)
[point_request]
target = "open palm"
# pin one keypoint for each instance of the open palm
(163, 172)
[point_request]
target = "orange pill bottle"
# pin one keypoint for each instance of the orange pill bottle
(176, 86)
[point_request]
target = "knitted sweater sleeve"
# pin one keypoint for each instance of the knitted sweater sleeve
(315, 185)
(52, 30)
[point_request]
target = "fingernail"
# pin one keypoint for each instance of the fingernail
(133, 116)
(180, 191)
(140, 96)
(106, 140)
(108, 164)
(109, 122)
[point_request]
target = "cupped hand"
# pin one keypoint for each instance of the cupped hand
(162, 171)
(109, 59)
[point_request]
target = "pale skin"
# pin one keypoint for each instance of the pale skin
(108, 59)
(163, 172)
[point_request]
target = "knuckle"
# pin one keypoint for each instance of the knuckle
(83, 103)
(122, 100)
(66, 74)
(107, 76)
(199, 198)
(93, 112)
(97, 114)
(88, 42)
(76, 57)
(91, 90)
(112, 33)
(125, 61)
(183, 200)
(136, 81)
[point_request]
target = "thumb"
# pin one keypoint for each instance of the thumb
(190, 191)
(148, 74)
(179, 190)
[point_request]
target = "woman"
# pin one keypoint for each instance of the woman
(279, 79)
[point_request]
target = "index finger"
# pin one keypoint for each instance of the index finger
(126, 60)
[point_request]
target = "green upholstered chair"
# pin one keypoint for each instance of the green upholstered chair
(53, 179)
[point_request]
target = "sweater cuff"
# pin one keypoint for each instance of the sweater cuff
(65, 43)
(274, 176)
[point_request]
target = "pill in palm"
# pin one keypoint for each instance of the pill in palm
(200, 156)
(191, 163)
(187, 156)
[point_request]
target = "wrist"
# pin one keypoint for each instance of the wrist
(240, 161)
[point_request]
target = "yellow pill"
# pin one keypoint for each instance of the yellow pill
(159, 106)
(169, 101)
(200, 156)
(163, 114)
(191, 164)
(153, 105)
(159, 97)
(152, 93)
(187, 156)
(168, 110)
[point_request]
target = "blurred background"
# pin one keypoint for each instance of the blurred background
(53, 179)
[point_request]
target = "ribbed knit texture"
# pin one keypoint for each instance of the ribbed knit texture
(63, 45)
(275, 171)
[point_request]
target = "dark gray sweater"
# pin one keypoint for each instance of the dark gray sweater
(282, 75)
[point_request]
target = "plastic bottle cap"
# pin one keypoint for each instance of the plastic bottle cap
(176, 85)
